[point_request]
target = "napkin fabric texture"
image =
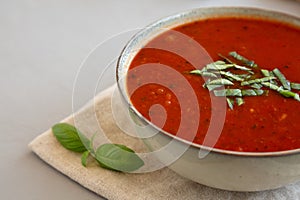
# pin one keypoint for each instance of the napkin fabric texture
(161, 184)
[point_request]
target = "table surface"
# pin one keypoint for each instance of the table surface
(43, 45)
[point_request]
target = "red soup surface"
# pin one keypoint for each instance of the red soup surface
(269, 122)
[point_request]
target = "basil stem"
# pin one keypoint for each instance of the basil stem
(84, 158)
(285, 83)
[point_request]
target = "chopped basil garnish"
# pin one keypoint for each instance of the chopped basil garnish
(237, 84)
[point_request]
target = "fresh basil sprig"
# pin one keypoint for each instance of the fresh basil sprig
(115, 157)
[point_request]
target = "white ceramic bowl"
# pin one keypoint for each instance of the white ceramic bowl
(229, 170)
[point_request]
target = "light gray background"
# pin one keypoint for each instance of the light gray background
(42, 45)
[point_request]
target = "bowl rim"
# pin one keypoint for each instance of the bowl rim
(221, 11)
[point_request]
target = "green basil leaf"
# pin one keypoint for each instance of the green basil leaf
(69, 137)
(90, 147)
(118, 157)
(84, 157)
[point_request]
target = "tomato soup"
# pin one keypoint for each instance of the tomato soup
(263, 123)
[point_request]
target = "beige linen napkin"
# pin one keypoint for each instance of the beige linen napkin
(161, 184)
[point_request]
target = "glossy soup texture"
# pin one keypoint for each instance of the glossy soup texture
(262, 124)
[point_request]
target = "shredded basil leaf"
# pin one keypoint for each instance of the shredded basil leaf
(295, 86)
(230, 103)
(239, 101)
(228, 93)
(231, 76)
(220, 81)
(285, 83)
(259, 80)
(252, 92)
(241, 58)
